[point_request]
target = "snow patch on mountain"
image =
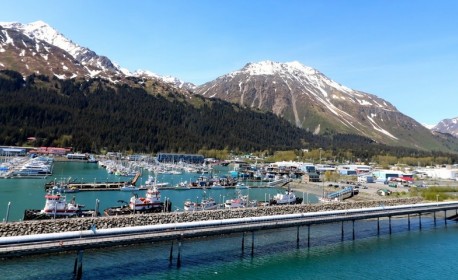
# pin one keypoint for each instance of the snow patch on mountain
(167, 79)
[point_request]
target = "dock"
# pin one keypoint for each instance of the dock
(93, 186)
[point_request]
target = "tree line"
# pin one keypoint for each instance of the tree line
(96, 115)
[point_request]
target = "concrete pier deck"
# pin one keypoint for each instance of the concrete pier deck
(88, 239)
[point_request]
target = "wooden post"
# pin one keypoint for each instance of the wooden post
(434, 218)
(408, 221)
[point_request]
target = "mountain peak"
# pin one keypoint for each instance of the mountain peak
(447, 126)
(268, 67)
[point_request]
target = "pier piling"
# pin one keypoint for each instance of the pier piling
(297, 237)
(171, 254)
(78, 267)
(353, 224)
(408, 221)
(342, 231)
(389, 222)
(434, 218)
(179, 254)
(252, 243)
(378, 225)
(308, 236)
(243, 242)
(419, 220)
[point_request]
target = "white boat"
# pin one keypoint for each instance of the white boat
(182, 186)
(240, 201)
(217, 187)
(206, 204)
(56, 205)
(288, 197)
(130, 188)
(151, 203)
(241, 186)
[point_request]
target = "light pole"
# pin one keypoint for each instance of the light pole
(7, 211)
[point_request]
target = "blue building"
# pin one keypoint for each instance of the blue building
(175, 158)
(13, 151)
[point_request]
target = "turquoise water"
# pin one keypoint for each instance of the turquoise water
(429, 253)
(29, 193)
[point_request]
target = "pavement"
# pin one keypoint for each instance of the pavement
(367, 191)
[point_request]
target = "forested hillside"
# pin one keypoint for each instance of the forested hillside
(97, 115)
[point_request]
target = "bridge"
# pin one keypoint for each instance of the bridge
(96, 238)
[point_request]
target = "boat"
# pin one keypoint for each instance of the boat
(288, 197)
(182, 186)
(56, 206)
(130, 188)
(205, 204)
(148, 204)
(241, 201)
(241, 186)
(217, 186)
(151, 203)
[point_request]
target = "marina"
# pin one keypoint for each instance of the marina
(204, 256)
(23, 194)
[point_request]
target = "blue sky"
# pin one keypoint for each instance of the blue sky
(405, 52)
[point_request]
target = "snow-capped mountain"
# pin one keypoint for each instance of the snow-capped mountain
(312, 101)
(88, 63)
(168, 79)
(447, 126)
(94, 64)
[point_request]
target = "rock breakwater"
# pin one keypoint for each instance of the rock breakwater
(80, 224)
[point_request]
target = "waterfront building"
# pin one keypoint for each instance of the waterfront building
(447, 173)
(384, 175)
(13, 151)
(175, 158)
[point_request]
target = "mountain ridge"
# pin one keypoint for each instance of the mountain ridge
(302, 95)
(311, 100)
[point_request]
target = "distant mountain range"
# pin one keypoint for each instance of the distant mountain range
(302, 95)
(449, 126)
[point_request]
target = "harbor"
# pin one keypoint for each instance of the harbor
(19, 195)
(168, 245)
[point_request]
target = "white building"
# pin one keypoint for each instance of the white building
(446, 173)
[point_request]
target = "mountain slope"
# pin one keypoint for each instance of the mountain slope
(449, 126)
(312, 101)
(87, 63)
